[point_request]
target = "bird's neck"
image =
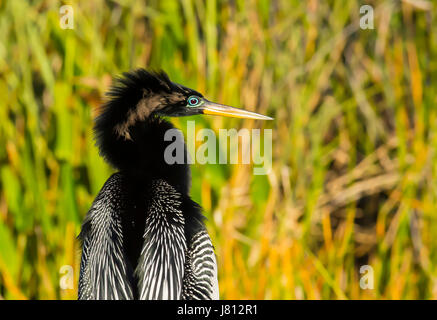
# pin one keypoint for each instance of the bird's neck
(145, 155)
(140, 156)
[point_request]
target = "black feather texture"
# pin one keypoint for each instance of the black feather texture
(129, 131)
(144, 237)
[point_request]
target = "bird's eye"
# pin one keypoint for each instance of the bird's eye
(193, 101)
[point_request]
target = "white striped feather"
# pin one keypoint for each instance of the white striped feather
(103, 271)
(167, 268)
(161, 265)
(200, 282)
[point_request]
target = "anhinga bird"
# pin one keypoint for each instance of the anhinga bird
(144, 238)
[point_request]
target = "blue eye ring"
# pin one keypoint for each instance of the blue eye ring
(193, 101)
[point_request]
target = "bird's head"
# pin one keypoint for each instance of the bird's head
(188, 102)
(136, 102)
(140, 95)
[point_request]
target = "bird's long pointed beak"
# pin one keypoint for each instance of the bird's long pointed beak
(218, 109)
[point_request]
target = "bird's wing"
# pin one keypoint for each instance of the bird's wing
(200, 282)
(160, 268)
(104, 270)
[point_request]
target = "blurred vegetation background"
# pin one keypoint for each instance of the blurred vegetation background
(354, 178)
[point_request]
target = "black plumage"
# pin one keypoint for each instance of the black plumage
(143, 237)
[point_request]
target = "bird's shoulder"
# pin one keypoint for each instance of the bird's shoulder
(114, 187)
(105, 271)
(109, 202)
(171, 197)
(162, 193)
